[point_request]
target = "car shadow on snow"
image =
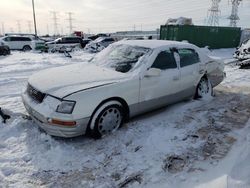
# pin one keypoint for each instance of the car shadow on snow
(169, 140)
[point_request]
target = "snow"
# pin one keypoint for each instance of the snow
(211, 138)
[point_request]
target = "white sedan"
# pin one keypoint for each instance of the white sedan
(126, 79)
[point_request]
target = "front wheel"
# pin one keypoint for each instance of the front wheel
(204, 88)
(107, 119)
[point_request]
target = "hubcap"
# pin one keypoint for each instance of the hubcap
(203, 87)
(109, 121)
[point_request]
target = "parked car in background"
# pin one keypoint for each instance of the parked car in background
(85, 42)
(242, 53)
(25, 43)
(4, 49)
(66, 42)
(99, 44)
(94, 37)
(125, 79)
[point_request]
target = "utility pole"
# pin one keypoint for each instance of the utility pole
(234, 13)
(55, 20)
(70, 19)
(213, 13)
(18, 26)
(29, 26)
(34, 16)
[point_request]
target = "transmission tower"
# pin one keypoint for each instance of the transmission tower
(213, 13)
(55, 21)
(3, 28)
(18, 26)
(70, 19)
(234, 14)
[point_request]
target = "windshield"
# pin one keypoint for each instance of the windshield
(121, 58)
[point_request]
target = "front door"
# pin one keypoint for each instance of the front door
(157, 91)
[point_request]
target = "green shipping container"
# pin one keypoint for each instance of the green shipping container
(214, 37)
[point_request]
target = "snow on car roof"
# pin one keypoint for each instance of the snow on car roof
(155, 43)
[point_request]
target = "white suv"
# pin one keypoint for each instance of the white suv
(18, 42)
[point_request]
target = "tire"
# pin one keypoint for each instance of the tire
(5, 52)
(107, 119)
(27, 48)
(204, 88)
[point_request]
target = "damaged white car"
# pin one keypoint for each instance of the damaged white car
(243, 53)
(126, 79)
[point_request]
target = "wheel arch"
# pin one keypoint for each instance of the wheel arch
(120, 100)
(117, 99)
(27, 45)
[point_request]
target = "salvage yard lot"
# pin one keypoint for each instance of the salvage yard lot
(177, 146)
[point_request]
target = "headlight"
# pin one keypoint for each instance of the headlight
(66, 107)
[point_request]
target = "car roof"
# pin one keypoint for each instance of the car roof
(153, 44)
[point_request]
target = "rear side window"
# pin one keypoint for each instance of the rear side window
(108, 40)
(13, 38)
(188, 57)
(25, 39)
(165, 60)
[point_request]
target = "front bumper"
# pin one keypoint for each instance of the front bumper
(42, 121)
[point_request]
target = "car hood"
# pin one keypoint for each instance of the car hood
(63, 81)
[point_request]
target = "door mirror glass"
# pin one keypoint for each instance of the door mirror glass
(153, 72)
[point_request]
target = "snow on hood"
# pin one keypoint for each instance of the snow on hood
(62, 81)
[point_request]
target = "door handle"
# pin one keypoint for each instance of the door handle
(202, 71)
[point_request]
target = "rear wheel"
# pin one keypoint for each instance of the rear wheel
(107, 119)
(5, 52)
(204, 88)
(26, 48)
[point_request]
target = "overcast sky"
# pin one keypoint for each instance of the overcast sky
(110, 15)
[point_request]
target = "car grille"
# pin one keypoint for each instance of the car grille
(35, 94)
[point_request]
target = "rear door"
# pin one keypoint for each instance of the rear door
(191, 70)
(160, 90)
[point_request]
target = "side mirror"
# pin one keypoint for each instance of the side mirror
(153, 72)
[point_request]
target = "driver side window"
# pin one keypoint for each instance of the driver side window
(165, 60)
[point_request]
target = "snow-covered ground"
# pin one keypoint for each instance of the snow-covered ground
(204, 143)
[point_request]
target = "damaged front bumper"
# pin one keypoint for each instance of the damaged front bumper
(44, 121)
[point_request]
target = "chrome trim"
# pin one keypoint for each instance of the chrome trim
(146, 106)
